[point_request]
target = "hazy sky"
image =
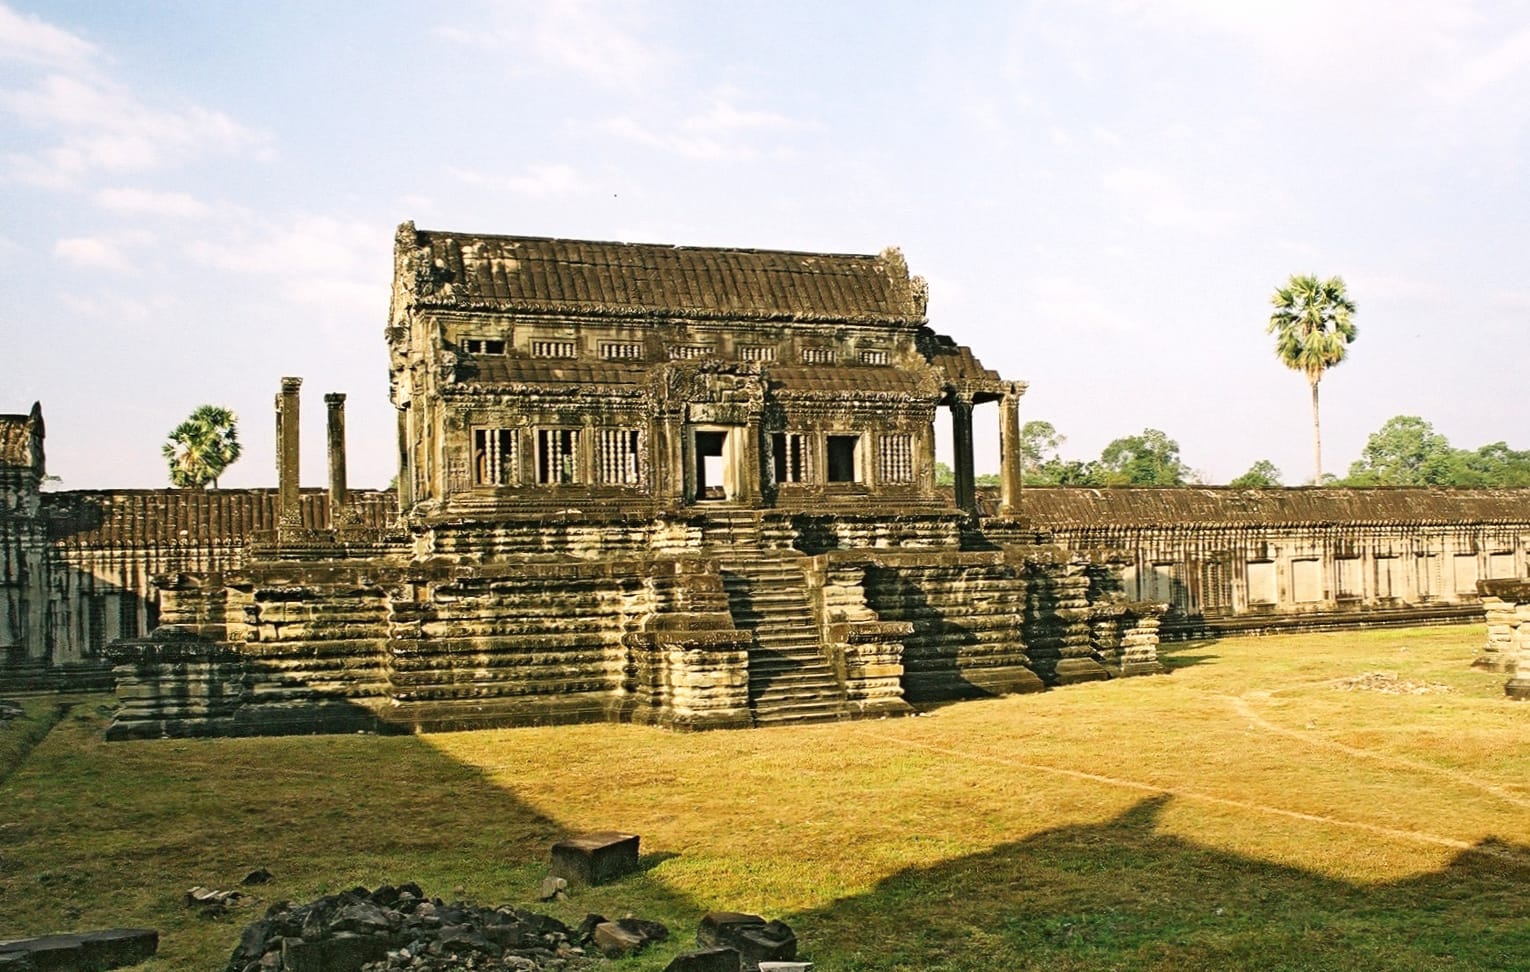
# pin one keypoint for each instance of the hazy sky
(200, 198)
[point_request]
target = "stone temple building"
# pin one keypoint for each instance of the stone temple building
(687, 486)
(676, 485)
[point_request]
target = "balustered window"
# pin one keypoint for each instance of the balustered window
(619, 457)
(895, 456)
(493, 457)
(557, 456)
(794, 457)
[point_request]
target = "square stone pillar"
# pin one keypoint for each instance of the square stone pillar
(961, 442)
(339, 500)
(1010, 458)
(289, 497)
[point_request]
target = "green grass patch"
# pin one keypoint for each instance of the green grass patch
(1245, 811)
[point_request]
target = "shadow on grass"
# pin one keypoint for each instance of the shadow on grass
(100, 834)
(1123, 895)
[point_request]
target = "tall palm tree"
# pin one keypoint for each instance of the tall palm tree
(1313, 327)
(200, 448)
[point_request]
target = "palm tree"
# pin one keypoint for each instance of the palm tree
(1313, 328)
(200, 448)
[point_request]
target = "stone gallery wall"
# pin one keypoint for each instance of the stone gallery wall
(1229, 559)
(77, 568)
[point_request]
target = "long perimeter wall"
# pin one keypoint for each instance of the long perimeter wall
(1238, 559)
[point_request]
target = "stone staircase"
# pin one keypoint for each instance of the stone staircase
(790, 679)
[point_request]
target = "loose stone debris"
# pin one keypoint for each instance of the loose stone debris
(397, 928)
(9, 710)
(1389, 683)
(211, 903)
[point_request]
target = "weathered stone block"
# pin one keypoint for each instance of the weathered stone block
(719, 959)
(93, 951)
(595, 858)
(755, 939)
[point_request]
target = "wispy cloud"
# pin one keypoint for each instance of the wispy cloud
(133, 201)
(337, 265)
(536, 181)
(87, 123)
(603, 42)
(28, 39)
(92, 253)
(720, 130)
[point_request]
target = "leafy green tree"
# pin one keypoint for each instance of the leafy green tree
(1313, 327)
(1494, 465)
(1406, 451)
(1039, 442)
(200, 448)
(1261, 475)
(1149, 459)
(944, 475)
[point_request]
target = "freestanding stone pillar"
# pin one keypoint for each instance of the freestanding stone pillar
(1009, 449)
(338, 499)
(289, 498)
(961, 436)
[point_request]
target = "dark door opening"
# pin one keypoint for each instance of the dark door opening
(841, 455)
(710, 484)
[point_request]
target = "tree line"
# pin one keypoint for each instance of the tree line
(1405, 451)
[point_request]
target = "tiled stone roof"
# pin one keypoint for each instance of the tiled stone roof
(536, 275)
(1075, 506)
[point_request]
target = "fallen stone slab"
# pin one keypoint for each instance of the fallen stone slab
(720, 959)
(92, 951)
(768, 966)
(595, 858)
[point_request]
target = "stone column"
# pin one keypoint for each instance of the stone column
(1009, 449)
(289, 497)
(338, 497)
(961, 435)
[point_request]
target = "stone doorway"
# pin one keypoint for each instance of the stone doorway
(712, 476)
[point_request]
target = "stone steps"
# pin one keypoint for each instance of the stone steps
(790, 680)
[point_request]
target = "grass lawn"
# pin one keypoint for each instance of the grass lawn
(1245, 811)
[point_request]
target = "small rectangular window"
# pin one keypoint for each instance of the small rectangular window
(557, 456)
(793, 457)
(843, 453)
(687, 352)
(493, 457)
(619, 457)
(553, 349)
(817, 355)
(895, 458)
(483, 346)
(1351, 577)
(756, 352)
(612, 350)
(874, 357)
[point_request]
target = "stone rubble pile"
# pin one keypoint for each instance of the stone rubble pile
(399, 928)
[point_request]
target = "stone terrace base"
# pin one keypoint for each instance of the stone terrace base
(1507, 606)
(732, 620)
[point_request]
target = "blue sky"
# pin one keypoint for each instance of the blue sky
(199, 198)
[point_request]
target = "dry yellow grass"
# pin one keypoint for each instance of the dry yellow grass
(1245, 812)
